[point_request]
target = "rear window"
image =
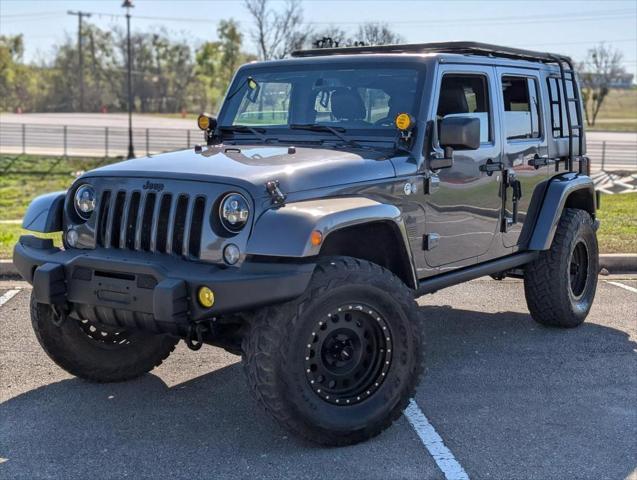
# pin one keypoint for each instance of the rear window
(521, 107)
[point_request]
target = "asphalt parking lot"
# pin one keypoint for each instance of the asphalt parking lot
(509, 398)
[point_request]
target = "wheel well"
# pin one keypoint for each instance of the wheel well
(582, 199)
(378, 242)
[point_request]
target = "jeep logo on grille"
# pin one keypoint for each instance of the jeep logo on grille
(158, 187)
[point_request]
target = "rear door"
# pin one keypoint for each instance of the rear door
(463, 211)
(526, 163)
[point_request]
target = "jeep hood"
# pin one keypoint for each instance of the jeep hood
(251, 166)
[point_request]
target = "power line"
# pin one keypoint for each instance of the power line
(583, 42)
(580, 16)
(17, 15)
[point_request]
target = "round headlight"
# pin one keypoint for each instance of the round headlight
(84, 201)
(234, 212)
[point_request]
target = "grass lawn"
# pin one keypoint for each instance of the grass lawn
(22, 182)
(618, 217)
(618, 213)
(618, 112)
(27, 177)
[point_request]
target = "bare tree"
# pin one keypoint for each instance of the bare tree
(376, 34)
(601, 68)
(277, 32)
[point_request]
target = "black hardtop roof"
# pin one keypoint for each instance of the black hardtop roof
(472, 48)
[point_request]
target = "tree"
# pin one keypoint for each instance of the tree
(376, 34)
(18, 82)
(217, 61)
(601, 68)
(277, 33)
(367, 34)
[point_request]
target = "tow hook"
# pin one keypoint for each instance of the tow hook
(194, 339)
(59, 315)
(277, 196)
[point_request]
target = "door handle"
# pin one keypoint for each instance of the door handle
(491, 167)
(538, 161)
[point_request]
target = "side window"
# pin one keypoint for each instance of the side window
(466, 95)
(521, 108)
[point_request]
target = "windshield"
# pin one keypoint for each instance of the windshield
(348, 98)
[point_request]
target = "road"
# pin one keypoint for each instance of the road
(510, 400)
(96, 134)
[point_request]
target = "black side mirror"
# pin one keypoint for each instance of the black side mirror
(456, 133)
(460, 133)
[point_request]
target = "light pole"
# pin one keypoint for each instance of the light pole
(128, 4)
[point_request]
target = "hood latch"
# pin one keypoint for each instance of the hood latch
(277, 196)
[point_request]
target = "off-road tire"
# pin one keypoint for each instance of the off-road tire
(83, 356)
(274, 353)
(553, 298)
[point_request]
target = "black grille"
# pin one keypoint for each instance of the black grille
(152, 222)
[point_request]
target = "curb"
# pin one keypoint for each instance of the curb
(618, 262)
(611, 262)
(7, 269)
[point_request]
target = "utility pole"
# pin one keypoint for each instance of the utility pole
(80, 15)
(128, 4)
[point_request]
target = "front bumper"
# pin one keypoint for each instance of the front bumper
(157, 285)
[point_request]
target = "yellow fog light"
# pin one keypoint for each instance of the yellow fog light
(206, 297)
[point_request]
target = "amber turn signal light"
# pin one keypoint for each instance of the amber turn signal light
(316, 238)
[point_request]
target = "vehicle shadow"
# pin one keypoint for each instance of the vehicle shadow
(511, 399)
(207, 427)
(514, 399)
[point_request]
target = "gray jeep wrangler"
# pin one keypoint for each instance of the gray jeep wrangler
(334, 188)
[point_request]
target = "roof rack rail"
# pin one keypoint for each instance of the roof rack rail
(473, 48)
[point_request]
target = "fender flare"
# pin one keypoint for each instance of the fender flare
(45, 213)
(286, 231)
(559, 195)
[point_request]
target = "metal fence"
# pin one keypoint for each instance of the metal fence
(16, 138)
(74, 141)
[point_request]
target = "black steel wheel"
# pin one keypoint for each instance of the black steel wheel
(348, 354)
(560, 284)
(339, 364)
(578, 269)
(98, 353)
(104, 335)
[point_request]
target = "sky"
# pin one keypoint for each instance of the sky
(568, 27)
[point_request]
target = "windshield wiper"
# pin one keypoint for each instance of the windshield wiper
(258, 132)
(336, 131)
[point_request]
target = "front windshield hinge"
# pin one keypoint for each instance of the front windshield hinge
(277, 196)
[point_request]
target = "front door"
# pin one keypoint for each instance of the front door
(463, 210)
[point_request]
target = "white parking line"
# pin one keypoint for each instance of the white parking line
(8, 295)
(621, 285)
(434, 444)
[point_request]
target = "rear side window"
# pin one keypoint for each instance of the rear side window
(555, 97)
(467, 96)
(521, 107)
